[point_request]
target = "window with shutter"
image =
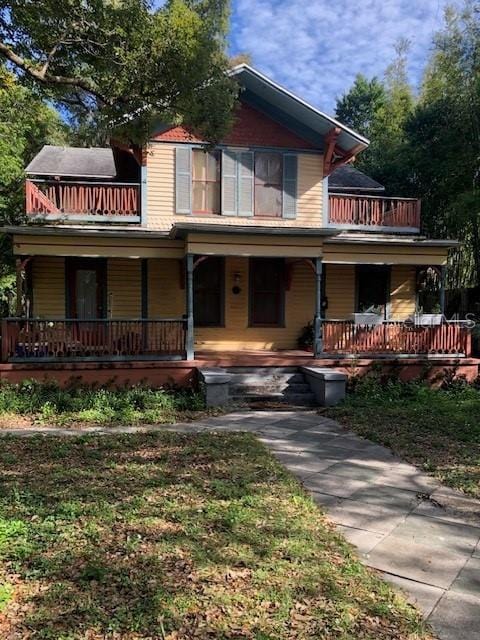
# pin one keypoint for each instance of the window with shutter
(206, 181)
(183, 180)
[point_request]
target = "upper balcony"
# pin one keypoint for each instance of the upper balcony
(83, 201)
(374, 213)
(83, 185)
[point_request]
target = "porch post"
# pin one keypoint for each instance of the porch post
(442, 289)
(317, 323)
(190, 339)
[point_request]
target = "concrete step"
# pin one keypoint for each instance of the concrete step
(299, 399)
(268, 387)
(255, 378)
(262, 371)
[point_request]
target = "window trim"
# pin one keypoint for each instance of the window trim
(375, 267)
(222, 296)
(218, 153)
(282, 302)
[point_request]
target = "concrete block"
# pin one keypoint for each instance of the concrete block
(327, 385)
(215, 384)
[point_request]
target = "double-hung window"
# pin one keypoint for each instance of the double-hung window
(268, 184)
(206, 181)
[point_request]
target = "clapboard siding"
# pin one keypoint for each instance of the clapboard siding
(402, 292)
(237, 335)
(48, 276)
(340, 291)
(161, 193)
(124, 288)
(166, 299)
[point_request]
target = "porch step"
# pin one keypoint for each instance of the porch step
(280, 385)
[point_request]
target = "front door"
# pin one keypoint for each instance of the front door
(86, 280)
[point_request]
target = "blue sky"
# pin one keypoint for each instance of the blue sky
(315, 48)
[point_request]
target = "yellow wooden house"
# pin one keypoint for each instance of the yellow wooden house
(272, 243)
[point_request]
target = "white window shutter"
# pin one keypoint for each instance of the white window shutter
(290, 179)
(245, 183)
(229, 183)
(183, 180)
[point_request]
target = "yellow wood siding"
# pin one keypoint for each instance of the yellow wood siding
(237, 335)
(402, 292)
(124, 288)
(161, 193)
(340, 291)
(166, 299)
(48, 276)
(254, 245)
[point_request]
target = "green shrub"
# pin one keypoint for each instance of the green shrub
(48, 402)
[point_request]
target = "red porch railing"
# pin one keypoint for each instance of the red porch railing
(346, 337)
(374, 211)
(82, 200)
(53, 339)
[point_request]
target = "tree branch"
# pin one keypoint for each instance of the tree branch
(51, 79)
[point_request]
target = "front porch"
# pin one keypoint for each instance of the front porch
(62, 340)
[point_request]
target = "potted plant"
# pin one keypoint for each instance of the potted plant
(306, 337)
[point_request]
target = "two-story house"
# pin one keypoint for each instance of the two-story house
(175, 252)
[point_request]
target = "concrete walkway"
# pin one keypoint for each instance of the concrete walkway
(424, 538)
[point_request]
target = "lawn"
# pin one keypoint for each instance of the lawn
(176, 536)
(33, 403)
(435, 429)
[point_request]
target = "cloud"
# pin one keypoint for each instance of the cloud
(315, 48)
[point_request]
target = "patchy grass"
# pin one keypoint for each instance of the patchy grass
(437, 430)
(176, 536)
(33, 402)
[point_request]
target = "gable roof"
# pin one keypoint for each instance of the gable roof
(310, 123)
(94, 162)
(347, 178)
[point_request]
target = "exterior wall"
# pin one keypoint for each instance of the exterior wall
(48, 280)
(402, 292)
(124, 288)
(385, 252)
(237, 335)
(166, 298)
(161, 194)
(340, 291)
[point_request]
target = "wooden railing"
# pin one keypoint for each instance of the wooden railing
(374, 211)
(97, 339)
(82, 200)
(347, 337)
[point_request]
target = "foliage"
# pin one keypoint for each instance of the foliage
(307, 336)
(174, 536)
(123, 64)
(26, 124)
(429, 146)
(437, 429)
(51, 404)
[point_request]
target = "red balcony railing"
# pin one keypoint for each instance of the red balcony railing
(374, 212)
(23, 339)
(347, 337)
(83, 200)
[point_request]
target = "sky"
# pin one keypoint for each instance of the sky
(315, 48)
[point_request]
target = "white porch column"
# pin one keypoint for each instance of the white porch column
(190, 338)
(317, 323)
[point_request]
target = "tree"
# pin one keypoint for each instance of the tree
(379, 110)
(120, 64)
(444, 141)
(358, 108)
(26, 124)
